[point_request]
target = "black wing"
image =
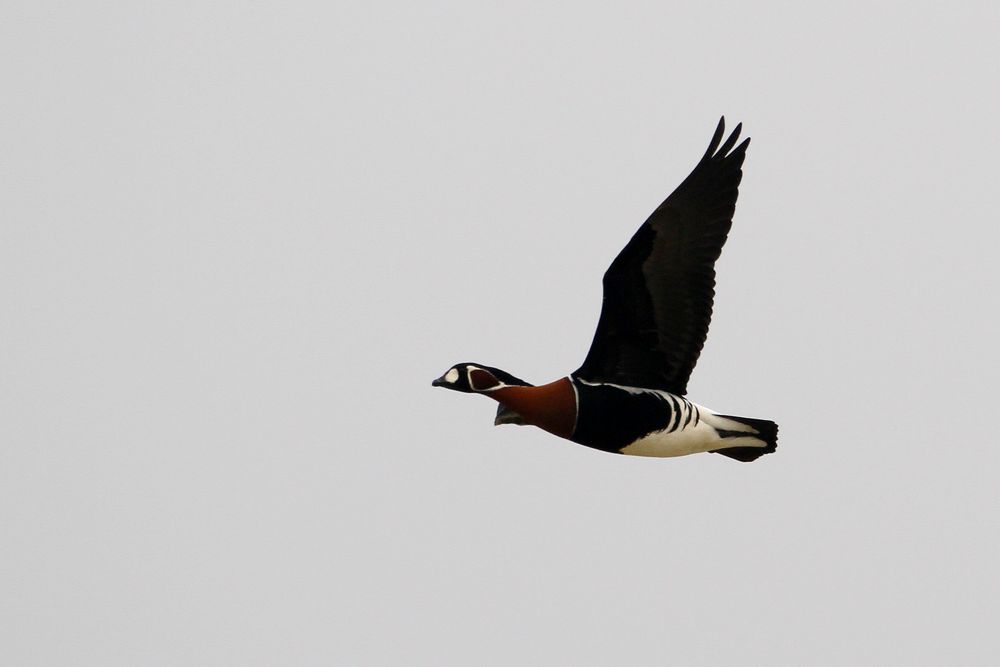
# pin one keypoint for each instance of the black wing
(658, 292)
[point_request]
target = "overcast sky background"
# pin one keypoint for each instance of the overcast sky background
(238, 240)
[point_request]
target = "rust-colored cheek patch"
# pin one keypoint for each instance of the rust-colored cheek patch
(482, 380)
(551, 406)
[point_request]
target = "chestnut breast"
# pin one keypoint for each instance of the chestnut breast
(551, 407)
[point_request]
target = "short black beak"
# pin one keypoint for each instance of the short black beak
(439, 382)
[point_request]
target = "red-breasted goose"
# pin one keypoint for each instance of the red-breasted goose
(629, 394)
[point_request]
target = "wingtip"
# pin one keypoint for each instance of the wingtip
(717, 137)
(731, 141)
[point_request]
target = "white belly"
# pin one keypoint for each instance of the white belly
(693, 439)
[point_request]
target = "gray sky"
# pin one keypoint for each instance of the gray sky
(239, 239)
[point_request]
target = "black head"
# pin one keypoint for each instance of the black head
(477, 378)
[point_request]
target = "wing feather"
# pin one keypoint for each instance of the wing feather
(659, 290)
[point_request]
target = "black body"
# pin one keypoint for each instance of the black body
(609, 418)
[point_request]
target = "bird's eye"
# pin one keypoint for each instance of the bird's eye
(451, 376)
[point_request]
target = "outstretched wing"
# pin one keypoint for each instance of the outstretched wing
(658, 292)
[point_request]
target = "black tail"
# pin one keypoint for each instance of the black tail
(766, 431)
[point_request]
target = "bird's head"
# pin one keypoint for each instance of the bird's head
(473, 378)
(481, 379)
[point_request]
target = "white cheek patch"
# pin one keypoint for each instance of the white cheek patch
(451, 376)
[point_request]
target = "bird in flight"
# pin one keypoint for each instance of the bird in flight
(628, 397)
